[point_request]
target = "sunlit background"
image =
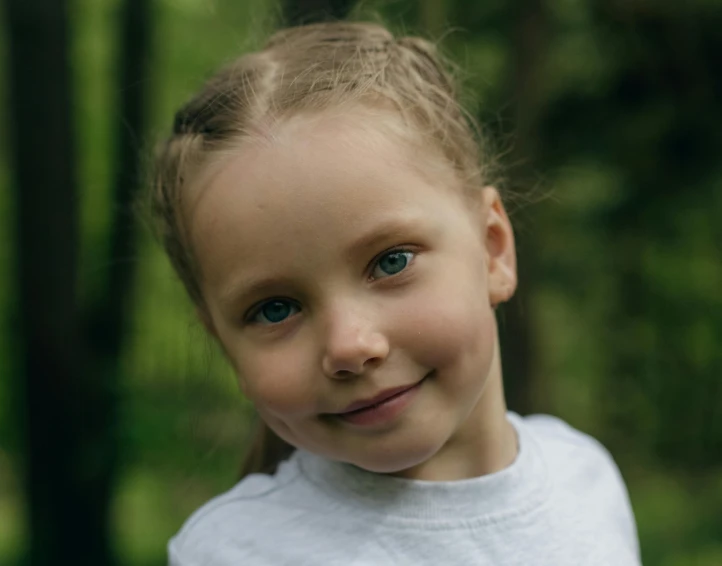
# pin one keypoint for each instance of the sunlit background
(608, 118)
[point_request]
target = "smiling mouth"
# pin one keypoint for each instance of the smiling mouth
(383, 408)
(380, 399)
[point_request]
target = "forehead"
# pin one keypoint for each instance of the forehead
(314, 181)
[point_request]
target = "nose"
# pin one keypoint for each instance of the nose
(352, 346)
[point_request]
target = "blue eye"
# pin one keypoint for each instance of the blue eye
(274, 311)
(391, 263)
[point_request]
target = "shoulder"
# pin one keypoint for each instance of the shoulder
(584, 473)
(556, 433)
(570, 451)
(228, 527)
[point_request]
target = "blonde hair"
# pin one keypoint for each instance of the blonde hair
(308, 69)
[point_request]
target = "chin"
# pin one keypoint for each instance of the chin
(397, 462)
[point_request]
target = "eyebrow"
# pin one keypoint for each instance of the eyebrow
(386, 230)
(238, 292)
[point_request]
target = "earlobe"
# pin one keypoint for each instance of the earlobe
(500, 249)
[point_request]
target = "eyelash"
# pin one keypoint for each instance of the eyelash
(257, 309)
(397, 250)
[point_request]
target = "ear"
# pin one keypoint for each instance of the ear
(500, 249)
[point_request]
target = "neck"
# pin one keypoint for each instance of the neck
(485, 443)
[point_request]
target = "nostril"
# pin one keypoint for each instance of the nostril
(344, 374)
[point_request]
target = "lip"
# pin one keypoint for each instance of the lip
(376, 400)
(381, 409)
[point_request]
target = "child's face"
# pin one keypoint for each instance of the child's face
(338, 266)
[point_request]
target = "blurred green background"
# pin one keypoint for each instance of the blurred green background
(607, 116)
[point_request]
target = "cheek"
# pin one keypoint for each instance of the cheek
(279, 381)
(449, 336)
(451, 328)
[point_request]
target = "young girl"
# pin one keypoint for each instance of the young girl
(330, 213)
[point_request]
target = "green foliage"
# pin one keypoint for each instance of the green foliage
(624, 303)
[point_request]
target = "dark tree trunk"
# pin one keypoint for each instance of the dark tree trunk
(108, 318)
(62, 415)
(68, 363)
(299, 12)
(524, 393)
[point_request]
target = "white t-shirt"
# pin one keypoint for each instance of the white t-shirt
(562, 502)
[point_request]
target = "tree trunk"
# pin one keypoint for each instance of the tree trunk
(109, 317)
(68, 363)
(519, 356)
(66, 511)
